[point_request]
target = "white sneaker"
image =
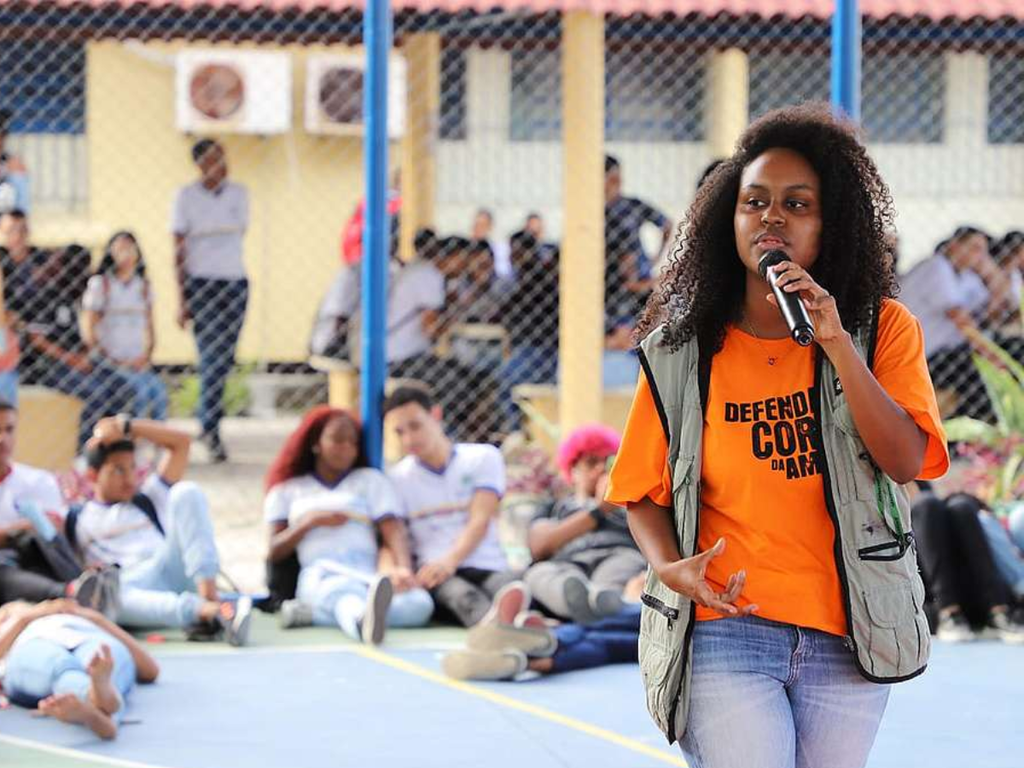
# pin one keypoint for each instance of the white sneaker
(237, 630)
(484, 665)
(509, 602)
(375, 620)
(294, 614)
(954, 628)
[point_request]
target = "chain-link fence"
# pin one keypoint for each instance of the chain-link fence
(247, 308)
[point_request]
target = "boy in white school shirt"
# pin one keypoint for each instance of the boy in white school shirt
(159, 532)
(451, 493)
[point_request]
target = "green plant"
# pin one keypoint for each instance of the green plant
(995, 452)
(185, 397)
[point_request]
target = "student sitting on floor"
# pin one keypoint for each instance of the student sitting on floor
(70, 662)
(451, 494)
(159, 534)
(583, 552)
(504, 646)
(327, 505)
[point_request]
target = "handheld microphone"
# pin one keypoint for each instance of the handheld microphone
(793, 310)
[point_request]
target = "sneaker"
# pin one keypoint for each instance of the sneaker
(204, 631)
(237, 629)
(375, 620)
(576, 593)
(1006, 626)
(532, 641)
(109, 603)
(295, 613)
(605, 602)
(954, 628)
(484, 665)
(218, 455)
(509, 602)
(87, 589)
(534, 620)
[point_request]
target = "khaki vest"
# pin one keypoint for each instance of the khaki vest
(882, 590)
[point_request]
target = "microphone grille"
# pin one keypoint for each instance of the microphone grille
(770, 259)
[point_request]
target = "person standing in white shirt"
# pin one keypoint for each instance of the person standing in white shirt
(451, 494)
(327, 507)
(209, 222)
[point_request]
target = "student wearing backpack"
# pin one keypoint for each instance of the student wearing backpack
(159, 533)
(117, 323)
(764, 480)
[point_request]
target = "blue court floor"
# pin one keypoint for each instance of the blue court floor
(337, 705)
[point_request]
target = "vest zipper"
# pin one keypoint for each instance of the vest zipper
(671, 614)
(830, 504)
(688, 636)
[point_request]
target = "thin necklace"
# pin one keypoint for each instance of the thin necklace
(772, 359)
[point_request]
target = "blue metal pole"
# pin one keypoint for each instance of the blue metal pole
(846, 42)
(377, 39)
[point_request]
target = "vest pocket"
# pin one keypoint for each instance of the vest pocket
(897, 636)
(855, 466)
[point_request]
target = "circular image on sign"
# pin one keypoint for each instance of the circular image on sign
(217, 91)
(341, 95)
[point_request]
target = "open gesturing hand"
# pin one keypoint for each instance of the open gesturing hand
(686, 577)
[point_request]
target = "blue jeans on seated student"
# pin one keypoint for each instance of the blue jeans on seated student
(160, 591)
(39, 667)
(1008, 559)
(528, 364)
(9, 387)
(338, 595)
(101, 391)
(150, 394)
(771, 695)
(609, 641)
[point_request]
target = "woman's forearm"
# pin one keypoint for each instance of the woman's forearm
(654, 531)
(892, 437)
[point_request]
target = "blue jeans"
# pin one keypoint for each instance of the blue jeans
(609, 641)
(1017, 527)
(38, 667)
(160, 591)
(1009, 560)
(339, 598)
(150, 394)
(770, 695)
(9, 387)
(102, 392)
(218, 311)
(527, 364)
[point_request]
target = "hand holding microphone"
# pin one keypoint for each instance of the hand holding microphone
(793, 310)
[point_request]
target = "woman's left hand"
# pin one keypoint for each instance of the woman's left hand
(821, 305)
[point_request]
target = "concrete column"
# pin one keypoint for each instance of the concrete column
(727, 101)
(418, 161)
(581, 315)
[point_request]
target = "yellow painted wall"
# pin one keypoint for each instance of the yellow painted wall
(302, 188)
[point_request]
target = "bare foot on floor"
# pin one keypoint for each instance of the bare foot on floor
(68, 708)
(101, 692)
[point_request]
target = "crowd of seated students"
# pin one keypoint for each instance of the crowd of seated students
(969, 287)
(84, 332)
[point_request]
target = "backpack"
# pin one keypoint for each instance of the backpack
(140, 500)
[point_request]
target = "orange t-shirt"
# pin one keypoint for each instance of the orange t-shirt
(760, 488)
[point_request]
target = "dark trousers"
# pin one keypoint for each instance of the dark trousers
(954, 368)
(613, 640)
(218, 311)
(955, 560)
(467, 595)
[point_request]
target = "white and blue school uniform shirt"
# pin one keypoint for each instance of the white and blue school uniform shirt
(436, 502)
(25, 484)
(365, 495)
(122, 533)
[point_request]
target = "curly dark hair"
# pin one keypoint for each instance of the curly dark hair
(703, 287)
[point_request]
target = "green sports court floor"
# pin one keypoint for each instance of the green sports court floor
(309, 698)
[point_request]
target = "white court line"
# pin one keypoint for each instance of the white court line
(312, 649)
(76, 754)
